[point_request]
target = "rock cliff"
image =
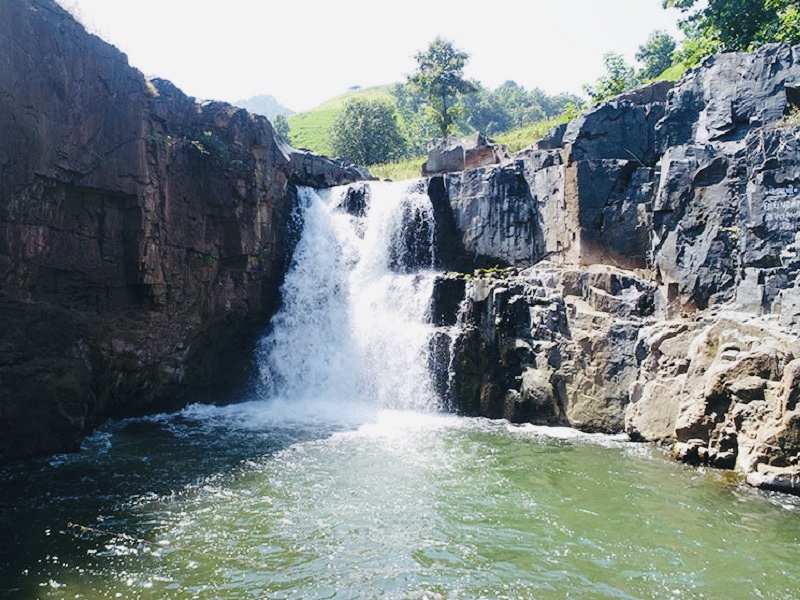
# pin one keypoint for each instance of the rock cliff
(646, 272)
(143, 235)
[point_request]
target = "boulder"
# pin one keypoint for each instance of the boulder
(448, 155)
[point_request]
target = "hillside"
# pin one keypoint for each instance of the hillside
(265, 105)
(309, 129)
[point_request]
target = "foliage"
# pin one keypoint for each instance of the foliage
(491, 112)
(514, 140)
(731, 25)
(656, 55)
(417, 128)
(572, 110)
(366, 132)
(281, 126)
(674, 73)
(791, 120)
(618, 78)
(507, 108)
(408, 168)
(440, 77)
(785, 26)
(311, 129)
(522, 137)
(511, 106)
(210, 147)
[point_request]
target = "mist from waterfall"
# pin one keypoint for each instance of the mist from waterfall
(353, 326)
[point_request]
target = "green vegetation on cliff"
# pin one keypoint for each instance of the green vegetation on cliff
(311, 129)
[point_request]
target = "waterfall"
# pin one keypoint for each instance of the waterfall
(354, 321)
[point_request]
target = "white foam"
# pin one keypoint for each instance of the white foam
(353, 327)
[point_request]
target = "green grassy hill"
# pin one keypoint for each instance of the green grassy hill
(310, 129)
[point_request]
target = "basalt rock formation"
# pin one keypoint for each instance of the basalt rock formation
(646, 272)
(143, 235)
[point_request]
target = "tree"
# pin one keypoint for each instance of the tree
(619, 78)
(731, 25)
(281, 126)
(656, 55)
(366, 132)
(785, 26)
(417, 128)
(440, 77)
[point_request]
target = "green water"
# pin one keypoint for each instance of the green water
(253, 501)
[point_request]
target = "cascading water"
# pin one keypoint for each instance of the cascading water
(310, 495)
(354, 322)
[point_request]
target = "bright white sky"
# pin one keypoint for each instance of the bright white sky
(304, 52)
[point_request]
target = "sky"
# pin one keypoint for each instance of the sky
(305, 52)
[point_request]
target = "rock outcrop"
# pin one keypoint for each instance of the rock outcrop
(547, 344)
(143, 236)
(652, 281)
(448, 155)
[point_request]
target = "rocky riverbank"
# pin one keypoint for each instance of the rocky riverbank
(655, 241)
(638, 267)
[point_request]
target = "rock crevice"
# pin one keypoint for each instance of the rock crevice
(143, 235)
(689, 194)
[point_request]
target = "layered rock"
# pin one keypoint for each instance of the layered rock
(694, 188)
(143, 236)
(547, 345)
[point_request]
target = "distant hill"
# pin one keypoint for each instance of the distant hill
(309, 129)
(265, 105)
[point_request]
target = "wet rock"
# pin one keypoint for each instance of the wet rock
(548, 354)
(448, 294)
(778, 479)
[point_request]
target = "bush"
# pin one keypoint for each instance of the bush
(366, 132)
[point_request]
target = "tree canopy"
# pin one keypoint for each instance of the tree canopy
(366, 132)
(655, 55)
(440, 77)
(281, 126)
(733, 25)
(618, 78)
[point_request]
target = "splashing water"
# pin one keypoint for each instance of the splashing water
(354, 322)
(347, 484)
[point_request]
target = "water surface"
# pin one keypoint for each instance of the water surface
(265, 501)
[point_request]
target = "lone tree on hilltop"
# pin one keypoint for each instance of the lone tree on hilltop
(440, 77)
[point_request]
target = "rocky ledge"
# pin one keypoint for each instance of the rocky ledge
(646, 267)
(143, 235)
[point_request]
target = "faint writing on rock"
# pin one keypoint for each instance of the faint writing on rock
(782, 208)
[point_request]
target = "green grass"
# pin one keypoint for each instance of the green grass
(673, 73)
(515, 140)
(791, 120)
(409, 168)
(522, 137)
(310, 129)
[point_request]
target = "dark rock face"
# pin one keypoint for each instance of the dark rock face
(695, 187)
(142, 236)
(547, 345)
